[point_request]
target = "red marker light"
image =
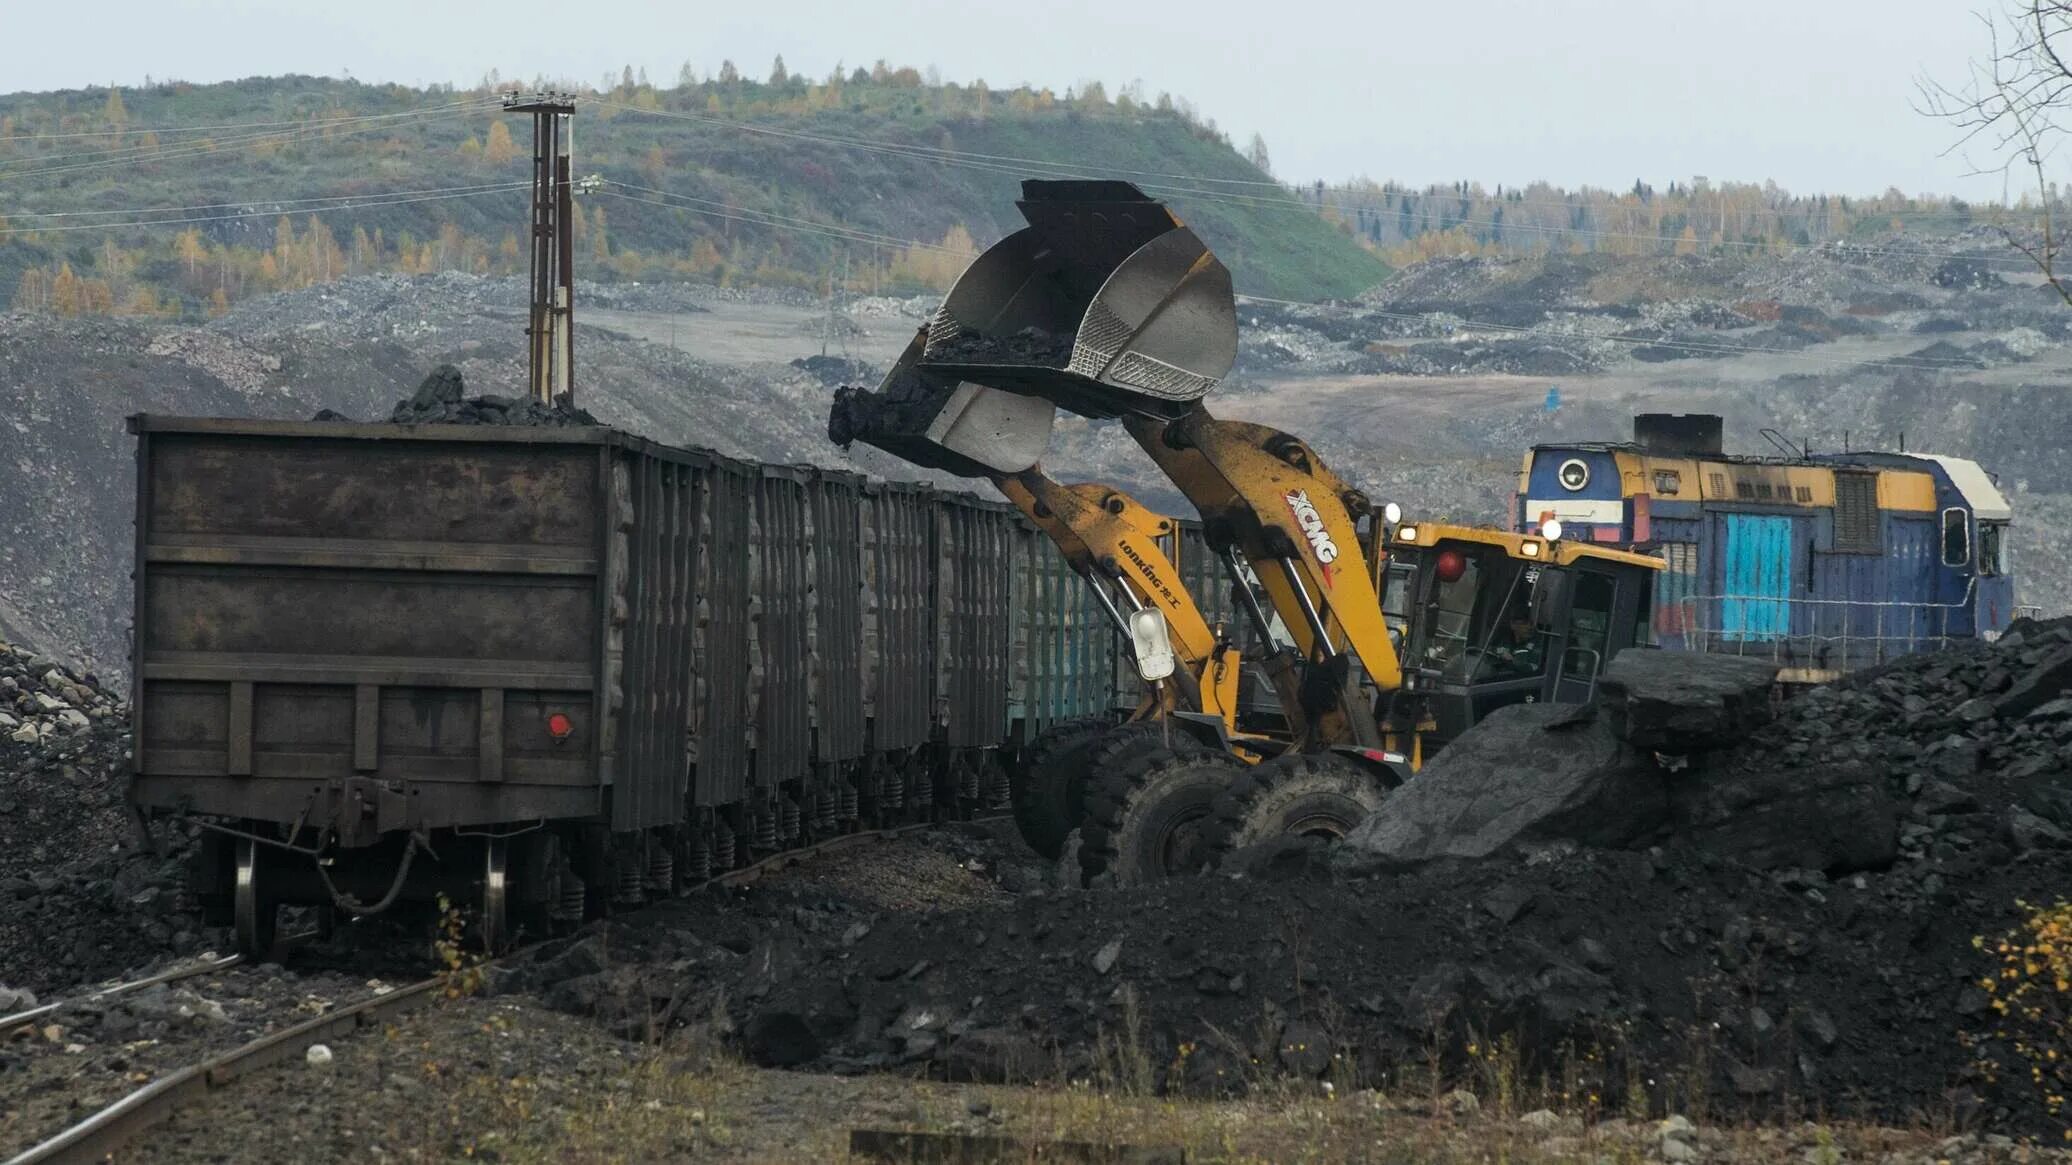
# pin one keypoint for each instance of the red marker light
(1452, 565)
(560, 727)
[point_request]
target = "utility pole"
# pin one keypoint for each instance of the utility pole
(550, 329)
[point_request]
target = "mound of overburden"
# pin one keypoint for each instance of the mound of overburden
(1688, 890)
(78, 900)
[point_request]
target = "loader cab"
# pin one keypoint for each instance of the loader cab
(1496, 619)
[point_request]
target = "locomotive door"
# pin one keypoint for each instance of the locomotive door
(1755, 601)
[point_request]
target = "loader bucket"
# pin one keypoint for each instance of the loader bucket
(957, 427)
(1104, 305)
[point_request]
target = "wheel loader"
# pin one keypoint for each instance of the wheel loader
(1125, 551)
(1404, 634)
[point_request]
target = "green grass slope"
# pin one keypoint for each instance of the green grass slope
(843, 172)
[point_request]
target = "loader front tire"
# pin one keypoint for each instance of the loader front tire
(1152, 818)
(1048, 804)
(1320, 796)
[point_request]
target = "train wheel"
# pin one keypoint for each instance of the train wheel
(1149, 819)
(496, 896)
(1319, 796)
(1051, 801)
(252, 912)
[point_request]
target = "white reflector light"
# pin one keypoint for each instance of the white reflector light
(1153, 645)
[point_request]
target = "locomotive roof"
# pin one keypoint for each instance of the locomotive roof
(1968, 477)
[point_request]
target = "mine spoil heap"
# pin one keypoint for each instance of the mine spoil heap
(1685, 891)
(78, 900)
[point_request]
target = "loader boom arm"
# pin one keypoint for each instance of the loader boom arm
(1267, 495)
(1111, 539)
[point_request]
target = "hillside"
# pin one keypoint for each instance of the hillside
(271, 184)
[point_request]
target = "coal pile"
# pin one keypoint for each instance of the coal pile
(1735, 907)
(833, 370)
(442, 400)
(79, 900)
(1028, 346)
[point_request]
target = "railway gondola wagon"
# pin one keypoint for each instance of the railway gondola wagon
(547, 670)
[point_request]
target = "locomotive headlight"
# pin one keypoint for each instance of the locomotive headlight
(1574, 474)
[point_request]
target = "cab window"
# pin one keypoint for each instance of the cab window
(1992, 549)
(1589, 625)
(1956, 537)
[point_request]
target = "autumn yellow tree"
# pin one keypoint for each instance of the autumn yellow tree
(499, 149)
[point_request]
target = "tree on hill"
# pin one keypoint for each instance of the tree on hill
(778, 76)
(498, 149)
(1256, 154)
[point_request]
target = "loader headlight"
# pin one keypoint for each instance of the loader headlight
(1551, 529)
(1391, 513)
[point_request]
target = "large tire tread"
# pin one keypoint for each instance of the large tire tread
(1134, 805)
(1299, 794)
(1046, 806)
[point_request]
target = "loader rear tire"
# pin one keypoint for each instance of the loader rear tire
(1152, 817)
(1049, 804)
(1320, 796)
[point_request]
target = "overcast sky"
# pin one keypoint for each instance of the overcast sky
(1814, 94)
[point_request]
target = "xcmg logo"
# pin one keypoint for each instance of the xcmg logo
(1312, 525)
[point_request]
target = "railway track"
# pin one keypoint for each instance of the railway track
(97, 1136)
(19, 1019)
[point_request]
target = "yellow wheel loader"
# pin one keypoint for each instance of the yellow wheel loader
(1404, 635)
(1119, 546)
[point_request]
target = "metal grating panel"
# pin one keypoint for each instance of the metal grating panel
(721, 712)
(661, 530)
(837, 617)
(1857, 524)
(784, 724)
(974, 618)
(898, 620)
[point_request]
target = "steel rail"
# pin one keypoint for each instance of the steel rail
(99, 1135)
(9, 1023)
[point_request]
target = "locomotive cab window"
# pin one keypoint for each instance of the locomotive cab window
(1956, 537)
(1992, 548)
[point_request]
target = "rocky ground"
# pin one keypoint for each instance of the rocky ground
(1789, 918)
(62, 1068)
(1780, 923)
(505, 1080)
(78, 900)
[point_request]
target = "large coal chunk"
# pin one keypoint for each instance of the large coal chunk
(1678, 703)
(1837, 817)
(2039, 685)
(1530, 773)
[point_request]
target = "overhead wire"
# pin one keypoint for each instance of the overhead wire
(365, 203)
(1929, 363)
(1696, 346)
(272, 203)
(190, 149)
(1287, 198)
(135, 130)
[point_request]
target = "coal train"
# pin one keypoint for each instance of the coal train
(549, 670)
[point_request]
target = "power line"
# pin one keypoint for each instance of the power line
(1638, 342)
(1288, 198)
(273, 204)
(33, 136)
(365, 204)
(1698, 346)
(193, 149)
(842, 233)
